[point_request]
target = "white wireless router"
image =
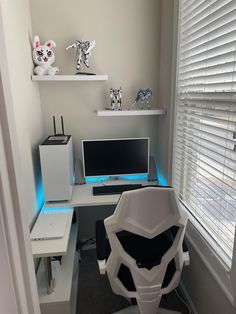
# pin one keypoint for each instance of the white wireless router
(57, 166)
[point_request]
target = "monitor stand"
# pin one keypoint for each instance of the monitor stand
(116, 181)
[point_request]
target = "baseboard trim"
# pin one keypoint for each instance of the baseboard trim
(187, 298)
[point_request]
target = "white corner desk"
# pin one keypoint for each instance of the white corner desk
(82, 195)
(52, 299)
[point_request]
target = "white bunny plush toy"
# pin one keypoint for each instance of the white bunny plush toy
(44, 57)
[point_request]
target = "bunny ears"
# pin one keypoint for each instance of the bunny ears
(48, 43)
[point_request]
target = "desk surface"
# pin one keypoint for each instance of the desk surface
(83, 196)
(55, 247)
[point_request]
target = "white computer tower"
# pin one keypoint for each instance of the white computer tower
(57, 166)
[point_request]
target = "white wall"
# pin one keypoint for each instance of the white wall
(24, 95)
(7, 295)
(129, 49)
(24, 117)
(203, 289)
(14, 228)
(127, 34)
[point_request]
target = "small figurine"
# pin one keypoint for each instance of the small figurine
(143, 96)
(82, 53)
(44, 57)
(116, 96)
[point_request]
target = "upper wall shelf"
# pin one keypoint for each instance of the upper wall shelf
(119, 113)
(69, 77)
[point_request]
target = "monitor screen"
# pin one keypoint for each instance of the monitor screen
(115, 157)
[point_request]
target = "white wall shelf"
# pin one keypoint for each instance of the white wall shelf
(69, 77)
(119, 113)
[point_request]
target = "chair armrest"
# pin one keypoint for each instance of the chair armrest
(186, 254)
(186, 258)
(101, 245)
(101, 240)
(102, 266)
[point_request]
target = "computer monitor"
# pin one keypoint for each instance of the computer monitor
(115, 157)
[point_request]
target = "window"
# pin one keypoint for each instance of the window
(205, 130)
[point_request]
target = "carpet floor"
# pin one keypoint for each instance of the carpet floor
(96, 297)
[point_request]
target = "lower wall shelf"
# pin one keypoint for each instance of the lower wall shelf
(119, 113)
(60, 77)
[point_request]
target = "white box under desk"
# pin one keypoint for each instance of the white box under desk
(63, 298)
(54, 247)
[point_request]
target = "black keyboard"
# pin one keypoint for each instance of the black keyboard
(114, 189)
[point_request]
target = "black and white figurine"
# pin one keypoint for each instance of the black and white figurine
(82, 53)
(115, 96)
(143, 95)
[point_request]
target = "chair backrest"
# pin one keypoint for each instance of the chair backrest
(146, 234)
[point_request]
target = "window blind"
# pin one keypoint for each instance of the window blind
(205, 130)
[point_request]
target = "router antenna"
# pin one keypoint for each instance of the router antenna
(54, 125)
(62, 125)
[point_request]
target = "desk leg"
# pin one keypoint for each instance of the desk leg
(48, 273)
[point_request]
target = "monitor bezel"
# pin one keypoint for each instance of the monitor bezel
(116, 139)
